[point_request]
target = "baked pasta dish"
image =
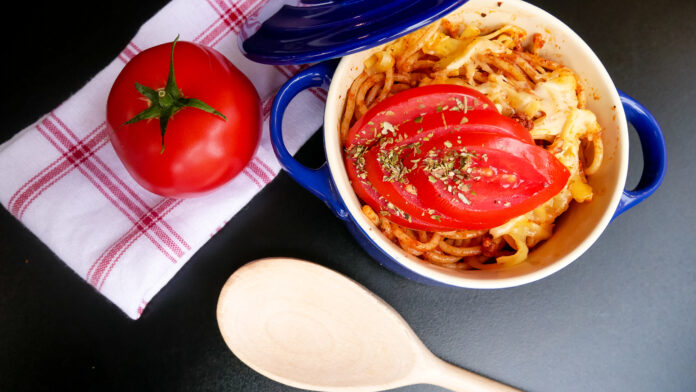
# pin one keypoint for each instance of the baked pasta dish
(465, 145)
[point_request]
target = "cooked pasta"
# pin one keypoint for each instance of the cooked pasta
(544, 96)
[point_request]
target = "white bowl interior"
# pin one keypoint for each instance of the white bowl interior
(582, 224)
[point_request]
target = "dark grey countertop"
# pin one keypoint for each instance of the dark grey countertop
(620, 318)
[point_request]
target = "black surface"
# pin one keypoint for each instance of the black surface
(621, 318)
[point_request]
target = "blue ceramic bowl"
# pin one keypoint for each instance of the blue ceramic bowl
(576, 230)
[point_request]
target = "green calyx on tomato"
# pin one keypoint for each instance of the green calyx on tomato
(165, 102)
(439, 170)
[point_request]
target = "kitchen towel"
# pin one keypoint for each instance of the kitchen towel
(62, 179)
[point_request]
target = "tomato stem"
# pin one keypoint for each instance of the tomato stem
(165, 102)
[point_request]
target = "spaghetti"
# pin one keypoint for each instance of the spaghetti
(544, 96)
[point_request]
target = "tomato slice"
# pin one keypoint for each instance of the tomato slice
(434, 125)
(403, 205)
(490, 178)
(357, 168)
(494, 122)
(441, 158)
(499, 178)
(410, 105)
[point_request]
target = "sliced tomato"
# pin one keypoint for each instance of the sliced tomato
(441, 158)
(401, 200)
(410, 105)
(357, 168)
(362, 187)
(494, 122)
(435, 125)
(503, 178)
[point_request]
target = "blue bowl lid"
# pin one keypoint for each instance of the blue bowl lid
(307, 31)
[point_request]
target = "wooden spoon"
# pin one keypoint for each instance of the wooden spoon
(309, 327)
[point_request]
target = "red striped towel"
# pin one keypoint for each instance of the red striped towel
(61, 178)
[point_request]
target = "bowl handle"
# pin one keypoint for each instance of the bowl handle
(317, 181)
(652, 142)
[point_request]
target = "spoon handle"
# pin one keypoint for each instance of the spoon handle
(459, 380)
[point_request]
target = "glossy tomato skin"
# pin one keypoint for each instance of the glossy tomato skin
(410, 105)
(491, 199)
(202, 151)
(429, 164)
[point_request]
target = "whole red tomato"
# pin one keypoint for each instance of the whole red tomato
(183, 121)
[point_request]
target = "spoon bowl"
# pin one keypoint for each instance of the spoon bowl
(307, 326)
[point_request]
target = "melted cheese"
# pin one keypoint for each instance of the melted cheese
(509, 99)
(552, 102)
(458, 59)
(563, 124)
(557, 98)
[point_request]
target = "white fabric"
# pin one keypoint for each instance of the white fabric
(62, 179)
